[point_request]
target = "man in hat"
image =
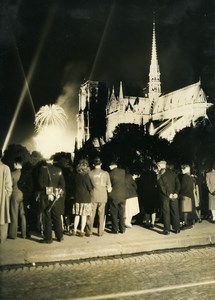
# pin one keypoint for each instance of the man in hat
(117, 198)
(169, 187)
(6, 190)
(101, 186)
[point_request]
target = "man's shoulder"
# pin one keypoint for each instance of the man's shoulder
(210, 173)
(171, 172)
(3, 166)
(16, 171)
(117, 172)
(99, 172)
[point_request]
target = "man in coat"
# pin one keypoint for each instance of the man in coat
(5, 193)
(101, 186)
(169, 187)
(210, 182)
(117, 198)
(16, 202)
(52, 187)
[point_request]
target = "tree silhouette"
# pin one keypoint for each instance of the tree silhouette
(131, 145)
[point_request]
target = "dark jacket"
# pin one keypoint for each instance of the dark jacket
(117, 178)
(131, 186)
(52, 176)
(187, 186)
(168, 183)
(82, 188)
(148, 191)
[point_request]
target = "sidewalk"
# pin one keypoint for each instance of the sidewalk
(135, 240)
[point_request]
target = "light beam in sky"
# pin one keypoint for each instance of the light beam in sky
(30, 74)
(102, 41)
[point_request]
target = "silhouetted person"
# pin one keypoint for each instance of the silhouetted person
(117, 198)
(16, 203)
(52, 186)
(101, 186)
(148, 194)
(82, 207)
(169, 187)
(187, 202)
(131, 204)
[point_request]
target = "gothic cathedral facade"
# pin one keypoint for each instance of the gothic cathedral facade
(164, 114)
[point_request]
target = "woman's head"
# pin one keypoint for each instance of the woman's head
(185, 169)
(83, 167)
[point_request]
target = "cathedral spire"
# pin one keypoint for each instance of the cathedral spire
(120, 91)
(154, 72)
(113, 96)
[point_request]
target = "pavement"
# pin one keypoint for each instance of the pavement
(135, 240)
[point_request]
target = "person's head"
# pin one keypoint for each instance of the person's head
(161, 165)
(83, 167)
(185, 169)
(49, 159)
(113, 165)
(97, 162)
(18, 162)
(170, 165)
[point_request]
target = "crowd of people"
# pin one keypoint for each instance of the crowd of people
(75, 200)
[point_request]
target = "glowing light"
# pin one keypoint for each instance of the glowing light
(53, 134)
(53, 139)
(50, 115)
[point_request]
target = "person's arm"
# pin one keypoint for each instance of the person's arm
(162, 186)
(209, 183)
(8, 182)
(89, 183)
(134, 183)
(177, 187)
(108, 185)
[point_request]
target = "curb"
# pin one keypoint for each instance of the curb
(59, 253)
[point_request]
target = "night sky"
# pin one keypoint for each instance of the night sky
(59, 44)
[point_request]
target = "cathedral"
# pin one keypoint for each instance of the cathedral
(101, 110)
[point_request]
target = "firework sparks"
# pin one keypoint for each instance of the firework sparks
(52, 132)
(50, 116)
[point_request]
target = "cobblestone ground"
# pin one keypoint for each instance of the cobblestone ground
(177, 275)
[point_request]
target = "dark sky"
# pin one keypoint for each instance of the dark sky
(58, 44)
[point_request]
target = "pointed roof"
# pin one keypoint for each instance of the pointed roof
(120, 91)
(113, 96)
(112, 103)
(154, 66)
(154, 70)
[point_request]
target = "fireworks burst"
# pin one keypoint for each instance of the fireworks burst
(50, 116)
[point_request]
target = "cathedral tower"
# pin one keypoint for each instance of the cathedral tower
(154, 84)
